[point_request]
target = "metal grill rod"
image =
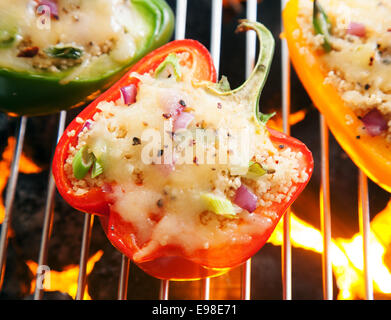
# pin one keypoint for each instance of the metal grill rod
(164, 289)
(48, 216)
(180, 23)
(10, 195)
(364, 219)
(215, 33)
(325, 212)
(286, 250)
(124, 278)
(251, 43)
(206, 289)
(85, 246)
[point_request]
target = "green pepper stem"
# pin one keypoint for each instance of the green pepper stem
(252, 88)
(322, 25)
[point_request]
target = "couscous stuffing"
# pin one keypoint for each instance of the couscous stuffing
(356, 52)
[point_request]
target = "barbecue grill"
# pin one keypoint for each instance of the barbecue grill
(335, 179)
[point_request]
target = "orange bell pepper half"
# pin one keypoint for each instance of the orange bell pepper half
(370, 154)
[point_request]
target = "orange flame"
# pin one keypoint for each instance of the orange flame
(294, 118)
(347, 254)
(66, 281)
(25, 166)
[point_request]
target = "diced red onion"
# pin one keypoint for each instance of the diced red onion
(52, 4)
(374, 122)
(183, 120)
(245, 199)
(87, 125)
(170, 102)
(356, 29)
(107, 188)
(175, 110)
(129, 94)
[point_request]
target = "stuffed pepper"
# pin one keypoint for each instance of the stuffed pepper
(341, 51)
(57, 54)
(187, 178)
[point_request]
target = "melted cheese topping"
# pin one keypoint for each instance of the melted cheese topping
(164, 203)
(359, 58)
(360, 67)
(107, 31)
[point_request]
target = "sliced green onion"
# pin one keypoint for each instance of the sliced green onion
(322, 25)
(170, 61)
(223, 84)
(265, 117)
(255, 170)
(82, 163)
(218, 205)
(66, 52)
(7, 38)
(97, 168)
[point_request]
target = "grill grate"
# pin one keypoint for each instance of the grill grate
(180, 31)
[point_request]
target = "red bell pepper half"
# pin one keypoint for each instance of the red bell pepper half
(169, 261)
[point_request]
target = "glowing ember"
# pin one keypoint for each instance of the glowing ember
(66, 281)
(25, 166)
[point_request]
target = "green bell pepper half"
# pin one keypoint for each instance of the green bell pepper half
(26, 93)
